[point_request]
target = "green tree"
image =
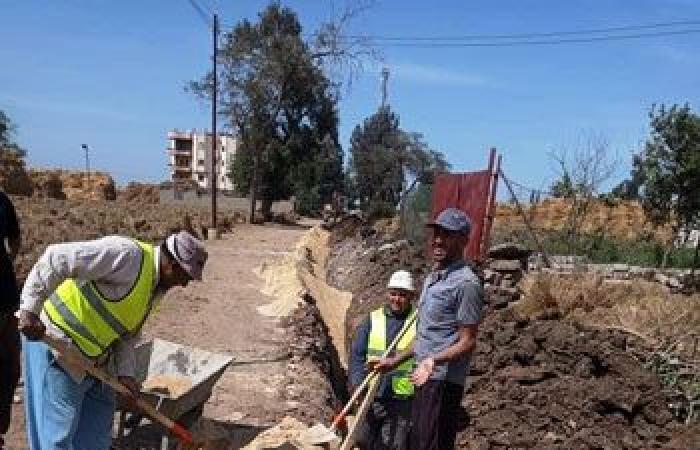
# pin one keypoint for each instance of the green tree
(669, 166)
(386, 163)
(375, 149)
(7, 131)
(563, 187)
(630, 189)
(277, 99)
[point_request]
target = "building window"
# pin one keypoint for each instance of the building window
(200, 162)
(200, 177)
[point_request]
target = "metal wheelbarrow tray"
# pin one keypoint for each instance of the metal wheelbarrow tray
(202, 368)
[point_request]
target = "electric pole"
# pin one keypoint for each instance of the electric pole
(87, 164)
(214, 149)
(385, 87)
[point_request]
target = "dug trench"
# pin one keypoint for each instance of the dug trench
(534, 383)
(540, 383)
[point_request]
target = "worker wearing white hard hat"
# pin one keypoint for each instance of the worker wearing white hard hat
(388, 421)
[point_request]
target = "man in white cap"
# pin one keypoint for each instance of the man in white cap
(388, 421)
(95, 295)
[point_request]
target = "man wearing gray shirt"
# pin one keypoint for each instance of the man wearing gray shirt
(94, 295)
(449, 313)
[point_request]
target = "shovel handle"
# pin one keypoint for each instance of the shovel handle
(371, 376)
(173, 427)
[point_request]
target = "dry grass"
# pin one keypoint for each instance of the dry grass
(623, 220)
(641, 308)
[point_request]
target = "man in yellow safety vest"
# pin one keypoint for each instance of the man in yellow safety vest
(388, 421)
(94, 295)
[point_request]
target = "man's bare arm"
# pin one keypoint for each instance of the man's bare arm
(465, 344)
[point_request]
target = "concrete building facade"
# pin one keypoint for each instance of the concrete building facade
(189, 158)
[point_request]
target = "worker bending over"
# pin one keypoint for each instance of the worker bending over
(94, 295)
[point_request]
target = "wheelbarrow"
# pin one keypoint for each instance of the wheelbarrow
(198, 369)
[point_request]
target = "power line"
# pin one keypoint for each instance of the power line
(524, 43)
(550, 34)
(204, 15)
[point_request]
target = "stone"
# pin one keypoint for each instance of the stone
(506, 265)
(674, 283)
(620, 268)
(509, 250)
(500, 302)
(661, 278)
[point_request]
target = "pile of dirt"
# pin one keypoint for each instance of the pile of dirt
(45, 221)
(289, 434)
(544, 383)
(145, 194)
(14, 178)
(622, 219)
(73, 185)
(314, 379)
(536, 383)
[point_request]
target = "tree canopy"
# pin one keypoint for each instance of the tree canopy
(282, 107)
(7, 131)
(668, 167)
(387, 162)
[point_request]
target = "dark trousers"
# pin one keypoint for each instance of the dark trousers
(434, 416)
(9, 366)
(386, 426)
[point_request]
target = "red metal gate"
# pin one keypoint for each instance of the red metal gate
(474, 193)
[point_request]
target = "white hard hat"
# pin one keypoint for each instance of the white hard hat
(401, 279)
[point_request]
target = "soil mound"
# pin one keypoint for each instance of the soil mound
(535, 383)
(147, 194)
(548, 384)
(45, 221)
(73, 185)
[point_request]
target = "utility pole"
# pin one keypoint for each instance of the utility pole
(87, 164)
(385, 87)
(214, 149)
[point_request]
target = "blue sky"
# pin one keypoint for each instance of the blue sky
(111, 74)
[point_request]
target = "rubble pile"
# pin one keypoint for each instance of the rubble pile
(548, 384)
(289, 434)
(504, 269)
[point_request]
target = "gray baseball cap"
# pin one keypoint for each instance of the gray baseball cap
(189, 252)
(452, 219)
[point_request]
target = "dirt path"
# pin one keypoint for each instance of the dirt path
(220, 315)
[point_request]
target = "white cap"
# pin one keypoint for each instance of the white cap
(401, 279)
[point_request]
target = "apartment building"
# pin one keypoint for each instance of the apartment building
(189, 157)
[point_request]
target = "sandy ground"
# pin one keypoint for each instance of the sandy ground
(220, 315)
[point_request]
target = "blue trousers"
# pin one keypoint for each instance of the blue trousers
(62, 414)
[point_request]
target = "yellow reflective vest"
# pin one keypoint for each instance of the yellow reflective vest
(94, 322)
(376, 346)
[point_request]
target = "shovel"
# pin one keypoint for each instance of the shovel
(177, 430)
(319, 433)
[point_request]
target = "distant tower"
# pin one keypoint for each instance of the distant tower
(385, 85)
